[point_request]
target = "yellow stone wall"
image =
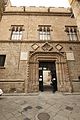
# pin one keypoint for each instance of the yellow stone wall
(23, 75)
(75, 4)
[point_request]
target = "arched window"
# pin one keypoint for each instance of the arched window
(44, 32)
(16, 33)
(72, 32)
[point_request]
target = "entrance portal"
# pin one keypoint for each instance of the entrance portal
(43, 67)
(47, 73)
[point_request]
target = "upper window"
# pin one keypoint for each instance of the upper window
(16, 33)
(44, 32)
(2, 60)
(72, 32)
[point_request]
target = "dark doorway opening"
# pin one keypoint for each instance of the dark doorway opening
(47, 74)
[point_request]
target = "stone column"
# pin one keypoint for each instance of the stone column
(27, 77)
(36, 81)
(64, 74)
(59, 76)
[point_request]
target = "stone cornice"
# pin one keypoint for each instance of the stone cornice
(38, 13)
(69, 42)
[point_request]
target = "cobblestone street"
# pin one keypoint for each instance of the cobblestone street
(42, 106)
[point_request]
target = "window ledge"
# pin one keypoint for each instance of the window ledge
(2, 67)
(15, 40)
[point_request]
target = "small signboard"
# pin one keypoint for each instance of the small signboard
(70, 56)
(24, 56)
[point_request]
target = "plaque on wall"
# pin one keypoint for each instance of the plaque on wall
(70, 56)
(24, 56)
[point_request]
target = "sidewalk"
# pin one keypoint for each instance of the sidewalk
(40, 106)
(37, 93)
(20, 94)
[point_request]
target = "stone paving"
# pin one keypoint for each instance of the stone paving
(42, 106)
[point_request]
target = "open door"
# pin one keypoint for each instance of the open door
(47, 71)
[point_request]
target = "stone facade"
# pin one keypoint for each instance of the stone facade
(75, 4)
(20, 72)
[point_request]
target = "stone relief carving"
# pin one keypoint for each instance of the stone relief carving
(35, 46)
(58, 47)
(47, 47)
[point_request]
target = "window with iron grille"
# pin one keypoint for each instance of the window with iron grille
(72, 32)
(16, 32)
(2, 60)
(44, 32)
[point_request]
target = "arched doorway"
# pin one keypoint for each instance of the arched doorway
(48, 59)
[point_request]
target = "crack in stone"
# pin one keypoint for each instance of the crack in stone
(26, 119)
(38, 107)
(69, 108)
(27, 108)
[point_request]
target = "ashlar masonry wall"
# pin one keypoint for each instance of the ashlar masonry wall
(15, 76)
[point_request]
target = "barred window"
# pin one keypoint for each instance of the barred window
(16, 33)
(44, 32)
(2, 60)
(72, 32)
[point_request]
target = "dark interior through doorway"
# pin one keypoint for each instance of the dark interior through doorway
(47, 73)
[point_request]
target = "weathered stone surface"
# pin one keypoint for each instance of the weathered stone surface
(21, 73)
(53, 107)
